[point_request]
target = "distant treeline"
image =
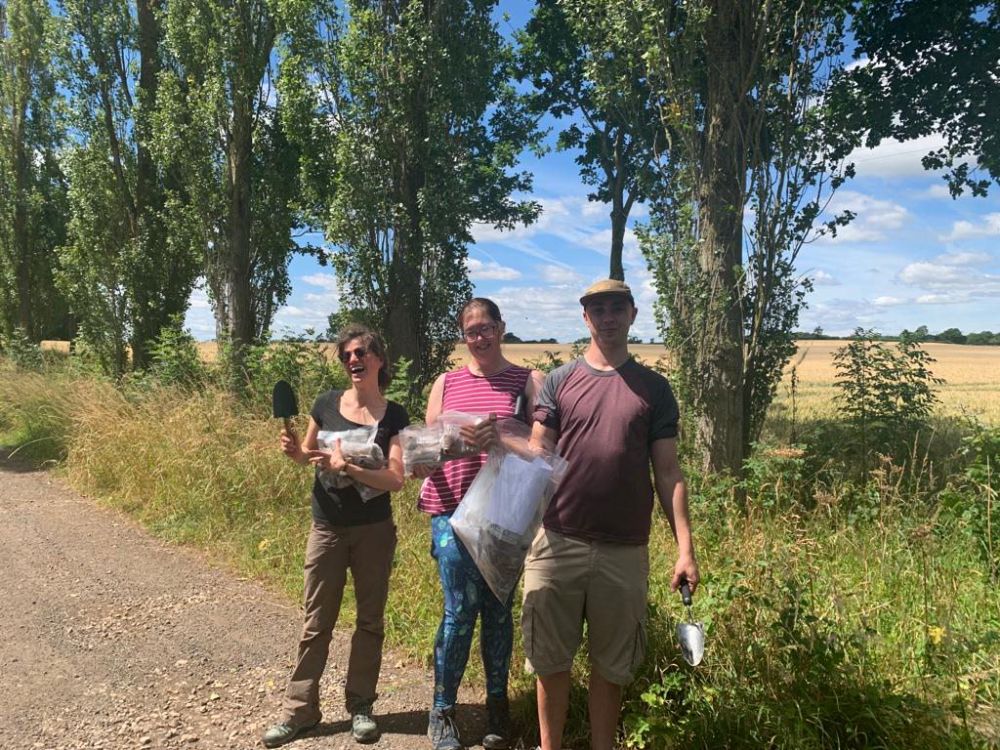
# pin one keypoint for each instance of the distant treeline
(510, 338)
(947, 336)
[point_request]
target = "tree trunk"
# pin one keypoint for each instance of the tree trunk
(619, 217)
(22, 239)
(720, 424)
(238, 271)
(22, 266)
(403, 321)
(148, 300)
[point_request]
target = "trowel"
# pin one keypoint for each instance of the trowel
(283, 404)
(690, 634)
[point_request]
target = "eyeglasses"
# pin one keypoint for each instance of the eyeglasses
(345, 356)
(483, 332)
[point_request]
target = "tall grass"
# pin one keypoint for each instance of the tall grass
(837, 615)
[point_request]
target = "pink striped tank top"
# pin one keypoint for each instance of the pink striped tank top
(475, 394)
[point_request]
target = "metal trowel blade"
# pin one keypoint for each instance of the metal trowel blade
(691, 637)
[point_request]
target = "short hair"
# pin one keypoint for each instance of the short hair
(480, 303)
(373, 343)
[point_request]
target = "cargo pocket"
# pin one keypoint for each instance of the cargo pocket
(638, 647)
(528, 635)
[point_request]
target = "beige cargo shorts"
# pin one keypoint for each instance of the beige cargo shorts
(570, 581)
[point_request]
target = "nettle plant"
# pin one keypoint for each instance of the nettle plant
(886, 393)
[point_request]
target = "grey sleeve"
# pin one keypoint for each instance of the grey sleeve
(666, 414)
(546, 405)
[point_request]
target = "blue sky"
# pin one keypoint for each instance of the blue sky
(913, 256)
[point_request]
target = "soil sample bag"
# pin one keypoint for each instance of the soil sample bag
(359, 448)
(503, 508)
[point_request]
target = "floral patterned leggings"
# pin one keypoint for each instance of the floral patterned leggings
(466, 596)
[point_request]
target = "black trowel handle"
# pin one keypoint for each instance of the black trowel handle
(290, 428)
(685, 592)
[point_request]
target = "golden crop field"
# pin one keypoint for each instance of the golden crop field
(972, 385)
(971, 374)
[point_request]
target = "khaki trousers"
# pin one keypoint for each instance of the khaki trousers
(367, 552)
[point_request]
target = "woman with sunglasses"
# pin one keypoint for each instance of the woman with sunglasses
(348, 533)
(489, 384)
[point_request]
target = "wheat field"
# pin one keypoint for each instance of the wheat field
(971, 386)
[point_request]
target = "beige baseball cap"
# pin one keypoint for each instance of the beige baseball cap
(607, 286)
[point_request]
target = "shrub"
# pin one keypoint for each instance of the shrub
(24, 353)
(886, 395)
(176, 360)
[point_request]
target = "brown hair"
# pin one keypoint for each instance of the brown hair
(482, 303)
(373, 343)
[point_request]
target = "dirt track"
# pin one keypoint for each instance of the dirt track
(111, 639)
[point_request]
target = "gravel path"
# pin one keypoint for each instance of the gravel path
(112, 639)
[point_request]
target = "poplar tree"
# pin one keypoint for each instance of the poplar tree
(219, 130)
(124, 275)
(580, 72)
(751, 155)
(410, 129)
(32, 185)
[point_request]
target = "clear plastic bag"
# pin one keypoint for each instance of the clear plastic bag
(421, 444)
(432, 445)
(358, 447)
(503, 508)
(452, 444)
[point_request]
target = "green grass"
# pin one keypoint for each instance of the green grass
(837, 616)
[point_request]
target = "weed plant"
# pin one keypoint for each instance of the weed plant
(841, 611)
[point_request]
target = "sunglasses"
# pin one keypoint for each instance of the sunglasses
(345, 356)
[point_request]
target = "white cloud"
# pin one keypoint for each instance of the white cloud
(199, 300)
(964, 259)
(534, 312)
(841, 316)
(490, 271)
(961, 230)
(822, 278)
(322, 302)
(571, 219)
(887, 301)
(937, 191)
(294, 319)
(554, 311)
(326, 281)
(893, 159)
(560, 276)
(873, 217)
(952, 278)
(199, 319)
(937, 299)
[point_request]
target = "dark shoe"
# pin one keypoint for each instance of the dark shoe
(363, 726)
(442, 731)
(497, 724)
(284, 732)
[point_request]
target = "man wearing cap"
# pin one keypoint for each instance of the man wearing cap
(610, 418)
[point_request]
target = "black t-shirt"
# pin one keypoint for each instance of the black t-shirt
(344, 507)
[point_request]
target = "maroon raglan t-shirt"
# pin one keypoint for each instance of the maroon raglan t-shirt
(606, 422)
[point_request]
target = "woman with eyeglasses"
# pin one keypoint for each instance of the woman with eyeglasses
(348, 533)
(489, 384)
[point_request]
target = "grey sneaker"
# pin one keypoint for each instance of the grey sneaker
(442, 731)
(363, 726)
(497, 724)
(284, 732)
